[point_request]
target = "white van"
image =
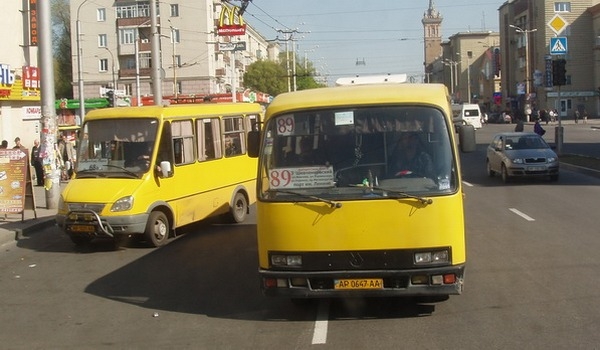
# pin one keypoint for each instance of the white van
(471, 114)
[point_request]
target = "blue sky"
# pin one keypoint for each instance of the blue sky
(387, 35)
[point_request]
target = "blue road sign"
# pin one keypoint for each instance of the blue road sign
(558, 46)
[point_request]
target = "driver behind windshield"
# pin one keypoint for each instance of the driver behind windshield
(409, 158)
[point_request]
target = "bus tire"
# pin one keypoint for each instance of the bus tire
(238, 209)
(157, 229)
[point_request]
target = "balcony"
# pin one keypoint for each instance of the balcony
(130, 73)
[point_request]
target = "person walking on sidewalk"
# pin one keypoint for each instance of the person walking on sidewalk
(36, 162)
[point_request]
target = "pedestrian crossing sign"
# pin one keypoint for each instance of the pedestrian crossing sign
(558, 46)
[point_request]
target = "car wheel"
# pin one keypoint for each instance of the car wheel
(489, 169)
(157, 229)
(239, 209)
(505, 176)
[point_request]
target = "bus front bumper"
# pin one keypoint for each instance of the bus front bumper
(438, 281)
(89, 223)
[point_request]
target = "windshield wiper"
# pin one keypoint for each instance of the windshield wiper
(423, 200)
(332, 204)
(129, 172)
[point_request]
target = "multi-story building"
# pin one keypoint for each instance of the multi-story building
(467, 63)
(528, 49)
(20, 106)
(116, 42)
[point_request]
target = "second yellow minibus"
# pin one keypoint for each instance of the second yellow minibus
(146, 171)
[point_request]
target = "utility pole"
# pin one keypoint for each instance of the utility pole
(49, 120)
(156, 62)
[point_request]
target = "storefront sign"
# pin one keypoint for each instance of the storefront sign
(231, 22)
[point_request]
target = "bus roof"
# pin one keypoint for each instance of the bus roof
(184, 110)
(361, 95)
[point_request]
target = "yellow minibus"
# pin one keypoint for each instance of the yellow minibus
(147, 171)
(359, 193)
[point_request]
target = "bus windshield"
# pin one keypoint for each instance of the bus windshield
(116, 147)
(357, 153)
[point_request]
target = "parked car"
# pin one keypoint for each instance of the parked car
(521, 154)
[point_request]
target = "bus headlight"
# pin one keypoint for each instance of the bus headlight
(125, 203)
(286, 260)
(433, 257)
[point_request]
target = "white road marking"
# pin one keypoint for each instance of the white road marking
(521, 214)
(467, 184)
(320, 331)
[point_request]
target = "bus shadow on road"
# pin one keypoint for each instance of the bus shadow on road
(213, 272)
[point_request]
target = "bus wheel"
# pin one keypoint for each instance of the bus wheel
(237, 212)
(157, 229)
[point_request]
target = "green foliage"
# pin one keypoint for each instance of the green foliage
(265, 76)
(61, 39)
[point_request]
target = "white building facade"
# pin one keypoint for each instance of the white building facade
(116, 44)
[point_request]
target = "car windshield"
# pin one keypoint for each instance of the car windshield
(116, 148)
(347, 153)
(524, 142)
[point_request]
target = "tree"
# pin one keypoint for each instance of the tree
(61, 37)
(265, 76)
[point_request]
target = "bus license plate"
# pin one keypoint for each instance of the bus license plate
(359, 283)
(82, 228)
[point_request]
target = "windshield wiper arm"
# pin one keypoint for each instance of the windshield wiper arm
(423, 200)
(121, 168)
(332, 204)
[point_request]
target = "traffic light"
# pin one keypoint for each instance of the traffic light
(559, 72)
(110, 96)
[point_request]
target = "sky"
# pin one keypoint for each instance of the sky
(386, 35)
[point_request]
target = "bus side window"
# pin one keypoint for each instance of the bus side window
(165, 150)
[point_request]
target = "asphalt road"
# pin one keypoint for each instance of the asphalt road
(531, 283)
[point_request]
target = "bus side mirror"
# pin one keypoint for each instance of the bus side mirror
(253, 143)
(165, 168)
(466, 138)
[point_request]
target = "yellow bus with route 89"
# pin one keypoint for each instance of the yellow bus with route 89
(343, 210)
(146, 171)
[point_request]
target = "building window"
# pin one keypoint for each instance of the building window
(128, 89)
(127, 36)
(102, 40)
(101, 15)
(562, 7)
(175, 36)
(145, 60)
(103, 65)
(174, 10)
(177, 60)
(130, 63)
(133, 11)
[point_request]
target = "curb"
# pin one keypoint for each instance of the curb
(39, 224)
(580, 169)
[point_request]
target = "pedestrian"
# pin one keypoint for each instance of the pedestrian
(18, 143)
(577, 116)
(4, 144)
(537, 128)
(36, 162)
(68, 156)
(520, 126)
(585, 116)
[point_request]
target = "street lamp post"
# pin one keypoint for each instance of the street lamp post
(112, 57)
(80, 64)
(525, 33)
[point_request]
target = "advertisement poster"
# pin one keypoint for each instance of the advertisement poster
(14, 166)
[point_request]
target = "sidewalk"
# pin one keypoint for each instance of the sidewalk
(16, 226)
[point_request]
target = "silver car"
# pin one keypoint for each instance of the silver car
(521, 154)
